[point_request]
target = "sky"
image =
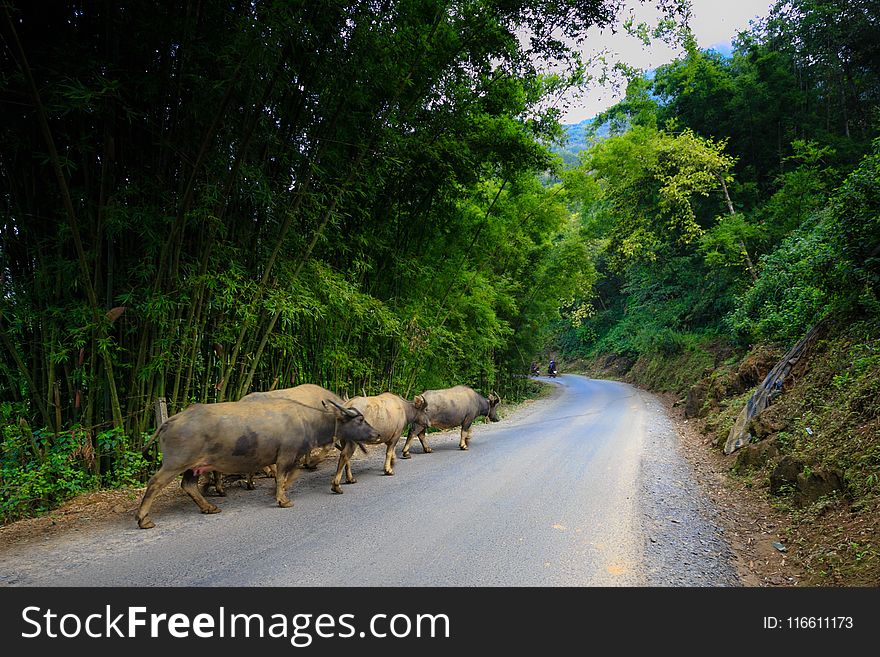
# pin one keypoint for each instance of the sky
(714, 22)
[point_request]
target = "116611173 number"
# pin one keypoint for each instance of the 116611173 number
(819, 622)
(809, 622)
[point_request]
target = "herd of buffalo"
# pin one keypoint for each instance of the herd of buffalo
(281, 428)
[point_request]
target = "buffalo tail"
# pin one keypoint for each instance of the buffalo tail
(146, 447)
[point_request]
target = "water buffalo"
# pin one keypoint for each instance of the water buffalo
(389, 414)
(450, 408)
(236, 437)
(306, 393)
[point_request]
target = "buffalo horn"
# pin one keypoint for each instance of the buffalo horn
(350, 412)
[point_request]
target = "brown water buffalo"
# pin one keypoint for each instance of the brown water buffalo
(389, 414)
(235, 437)
(306, 393)
(450, 408)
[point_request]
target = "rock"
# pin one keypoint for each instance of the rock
(756, 455)
(622, 365)
(765, 424)
(785, 474)
(812, 485)
(779, 546)
(696, 398)
(755, 366)
(809, 484)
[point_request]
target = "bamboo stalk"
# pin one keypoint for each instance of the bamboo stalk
(751, 267)
(13, 352)
(68, 206)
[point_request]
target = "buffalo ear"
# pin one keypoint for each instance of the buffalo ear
(494, 398)
(420, 402)
(346, 412)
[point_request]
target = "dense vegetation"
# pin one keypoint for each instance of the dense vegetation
(204, 199)
(737, 196)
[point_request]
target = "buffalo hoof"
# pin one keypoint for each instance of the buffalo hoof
(352, 481)
(146, 523)
(336, 488)
(285, 504)
(405, 455)
(211, 509)
(463, 448)
(428, 450)
(250, 487)
(389, 473)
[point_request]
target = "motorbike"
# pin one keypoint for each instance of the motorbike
(552, 372)
(536, 370)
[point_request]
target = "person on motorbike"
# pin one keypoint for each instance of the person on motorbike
(551, 370)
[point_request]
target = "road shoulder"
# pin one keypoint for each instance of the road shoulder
(750, 524)
(686, 541)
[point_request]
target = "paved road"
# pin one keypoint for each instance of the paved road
(584, 488)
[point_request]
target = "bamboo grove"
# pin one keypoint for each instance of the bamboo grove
(200, 200)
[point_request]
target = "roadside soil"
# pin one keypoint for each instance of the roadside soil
(751, 524)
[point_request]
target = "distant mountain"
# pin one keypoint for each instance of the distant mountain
(579, 137)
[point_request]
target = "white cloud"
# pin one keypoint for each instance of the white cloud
(714, 23)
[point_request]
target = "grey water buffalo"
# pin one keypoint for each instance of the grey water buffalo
(450, 408)
(389, 414)
(235, 437)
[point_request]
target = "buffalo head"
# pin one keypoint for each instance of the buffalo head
(352, 426)
(421, 405)
(493, 404)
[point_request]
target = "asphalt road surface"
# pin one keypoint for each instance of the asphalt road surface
(583, 488)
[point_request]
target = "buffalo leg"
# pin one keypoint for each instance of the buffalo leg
(349, 476)
(157, 482)
(425, 448)
(344, 463)
(409, 440)
(310, 463)
(389, 457)
(190, 483)
(249, 481)
(465, 437)
(407, 444)
(215, 479)
(285, 475)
